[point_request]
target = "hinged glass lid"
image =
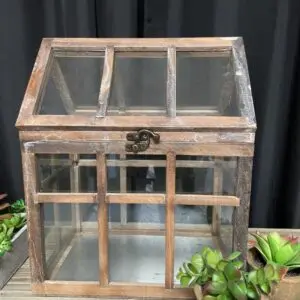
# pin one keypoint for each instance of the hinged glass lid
(79, 80)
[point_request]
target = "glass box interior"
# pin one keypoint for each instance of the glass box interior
(136, 244)
(204, 84)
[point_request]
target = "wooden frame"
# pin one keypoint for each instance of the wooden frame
(102, 130)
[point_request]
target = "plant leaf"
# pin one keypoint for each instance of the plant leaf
(216, 288)
(238, 264)
(234, 255)
(270, 272)
(284, 254)
(184, 281)
(221, 265)
(209, 297)
(231, 272)
(252, 277)
(265, 287)
(251, 293)
(189, 269)
(276, 242)
(260, 276)
(263, 247)
(218, 276)
(237, 290)
(212, 258)
(197, 262)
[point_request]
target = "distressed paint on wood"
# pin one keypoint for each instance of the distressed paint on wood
(171, 83)
(241, 213)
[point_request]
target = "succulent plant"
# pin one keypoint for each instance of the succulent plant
(13, 219)
(224, 279)
(276, 249)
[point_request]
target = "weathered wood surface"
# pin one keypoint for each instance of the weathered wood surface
(171, 83)
(18, 288)
(13, 260)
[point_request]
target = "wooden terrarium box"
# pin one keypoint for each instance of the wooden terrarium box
(136, 153)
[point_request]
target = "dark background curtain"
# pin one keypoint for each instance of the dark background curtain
(270, 29)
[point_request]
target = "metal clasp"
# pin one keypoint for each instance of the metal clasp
(141, 140)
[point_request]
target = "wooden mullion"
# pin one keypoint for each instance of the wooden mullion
(171, 83)
(66, 198)
(138, 198)
(206, 200)
(35, 225)
(170, 220)
(62, 87)
(123, 187)
(106, 82)
(102, 218)
(217, 190)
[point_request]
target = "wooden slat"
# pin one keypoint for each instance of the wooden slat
(170, 220)
(144, 44)
(106, 82)
(114, 290)
(62, 87)
(217, 190)
(201, 137)
(102, 218)
(118, 147)
(171, 83)
(36, 247)
(132, 198)
(36, 82)
(123, 186)
(207, 200)
(161, 123)
(66, 198)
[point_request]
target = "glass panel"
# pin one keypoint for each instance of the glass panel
(205, 85)
(137, 173)
(139, 84)
(205, 175)
(137, 249)
(197, 221)
(70, 247)
(73, 82)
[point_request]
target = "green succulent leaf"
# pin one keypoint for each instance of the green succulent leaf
(231, 272)
(238, 264)
(260, 276)
(275, 241)
(224, 297)
(197, 262)
(209, 297)
(284, 254)
(221, 265)
(212, 258)
(234, 255)
(270, 272)
(219, 277)
(238, 290)
(216, 288)
(190, 269)
(252, 277)
(263, 247)
(265, 287)
(184, 281)
(252, 293)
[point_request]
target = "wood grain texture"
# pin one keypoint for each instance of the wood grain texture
(144, 44)
(118, 147)
(217, 190)
(187, 136)
(241, 213)
(138, 198)
(156, 123)
(171, 83)
(36, 81)
(106, 82)
(62, 87)
(66, 198)
(170, 219)
(242, 80)
(36, 247)
(207, 200)
(102, 218)
(115, 290)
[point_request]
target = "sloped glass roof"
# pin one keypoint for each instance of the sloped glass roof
(140, 77)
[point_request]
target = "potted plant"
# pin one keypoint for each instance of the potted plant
(214, 277)
(13, 238)
(283, 252)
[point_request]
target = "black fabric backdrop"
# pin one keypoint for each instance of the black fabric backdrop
(270, 29)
